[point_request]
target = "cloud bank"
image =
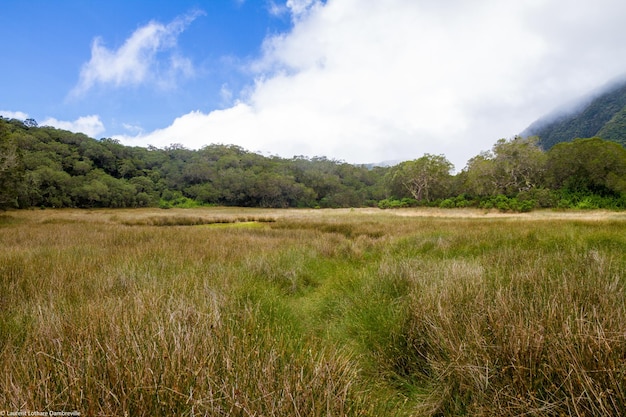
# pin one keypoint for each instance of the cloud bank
(91, 126)
(138, 61)
(370, 80)
(19, 115)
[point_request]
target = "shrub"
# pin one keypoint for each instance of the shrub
(179, 202)
(390, 203)
(506, 204)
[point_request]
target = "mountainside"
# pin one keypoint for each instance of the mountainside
(602, 115)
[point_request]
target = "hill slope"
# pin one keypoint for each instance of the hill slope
(602, 115)
(48, 167)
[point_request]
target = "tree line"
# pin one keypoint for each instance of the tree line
(48, 167)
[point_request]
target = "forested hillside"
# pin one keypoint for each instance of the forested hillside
(604, 116)
(63, 169)
(46, 167)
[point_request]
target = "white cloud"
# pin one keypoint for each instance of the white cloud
(89, 125)
(226, 94)
(276, 9)
(136, 61)
(295, 8)
(19, 115)
(371, 80)
(300, 7)
(135, 129)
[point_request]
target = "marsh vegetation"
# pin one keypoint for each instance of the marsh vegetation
(260, 312)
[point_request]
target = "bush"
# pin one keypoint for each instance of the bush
(462, 201)
(587, 203)
(542, 197)
(506, 204)
(180, 202)
(390, 203)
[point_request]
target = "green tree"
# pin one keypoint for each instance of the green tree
(30, 123)
(11, 170)
(512, 166)
(55, 187)
(587, 165)
(204, 193)
(480, 175)
(425, 178)
(101, 157)
(520, 164)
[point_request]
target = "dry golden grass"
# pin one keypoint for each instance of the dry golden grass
(313, 312)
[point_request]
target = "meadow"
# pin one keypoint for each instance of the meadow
(348, 312)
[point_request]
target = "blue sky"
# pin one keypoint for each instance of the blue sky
(50, 42)
(357, 80)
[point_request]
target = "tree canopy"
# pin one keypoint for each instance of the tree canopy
(11, 168)
(425, 178)
(588, 165)
(47, 167)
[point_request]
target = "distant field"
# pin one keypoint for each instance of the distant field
(260, 312)
(233, 213)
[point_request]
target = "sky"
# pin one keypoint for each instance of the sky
(362, 81)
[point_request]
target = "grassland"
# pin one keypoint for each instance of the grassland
(251, 312)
